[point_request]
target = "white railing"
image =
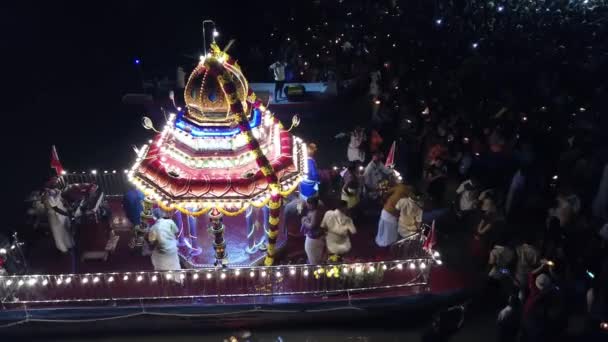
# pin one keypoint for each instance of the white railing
(284, 280)
(110, 182)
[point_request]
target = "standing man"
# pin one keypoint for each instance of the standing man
(163, 238)
(311, 227)
(374, 173)
(339, 226)
(310, 184)
(59, 216)
(278, 69)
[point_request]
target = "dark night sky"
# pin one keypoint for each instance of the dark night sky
(66, 66)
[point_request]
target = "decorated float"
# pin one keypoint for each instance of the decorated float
(226, 167)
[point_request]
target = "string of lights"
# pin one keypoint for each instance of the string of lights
(35, 284)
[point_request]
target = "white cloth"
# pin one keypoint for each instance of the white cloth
(354, 152)
(410, 216)
(314, 250)
(165, 262)
(468, 198)
(374, 173)
(279, 71)
(60, 224)
(164, 257)
(338, 227)
(505, 313)
(387, 229)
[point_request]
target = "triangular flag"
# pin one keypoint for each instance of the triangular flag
(55, 163)
(390, 159)
(431, 239)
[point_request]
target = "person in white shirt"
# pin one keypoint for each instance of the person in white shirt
(468, 193)
(278, 69)
(163, 238)
(58, 215)
(338, 226)
(410, 217)
(374, 173)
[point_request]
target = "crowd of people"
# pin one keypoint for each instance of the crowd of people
(496, 110)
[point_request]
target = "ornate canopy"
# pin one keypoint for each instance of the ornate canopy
(224, 151)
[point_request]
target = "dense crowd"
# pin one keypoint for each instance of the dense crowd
(496, 110)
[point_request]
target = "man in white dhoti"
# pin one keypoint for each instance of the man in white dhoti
(163, 238)
(58, 215)
(374, 173)
(338, 226)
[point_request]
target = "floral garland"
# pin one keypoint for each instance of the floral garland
(226, 83)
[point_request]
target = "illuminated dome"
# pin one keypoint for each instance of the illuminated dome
(206, 102)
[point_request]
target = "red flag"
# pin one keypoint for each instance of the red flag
(55, 163)
(390, 159)
(431, 239)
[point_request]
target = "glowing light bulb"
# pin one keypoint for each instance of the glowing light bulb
(95, 280)
(500, 8)
(555, 177)
(435, 254)
(384, 267)
(9, 282)
(125, 278)
(422, 265)
(358, 269)
(237, 272)
(399, 266)
(412, 266)
(278, 274)
(93, 172)
(111, 279)
(32, 281)
(195, 276)
(439, 262)
(438, 21)
(263, 274)
(292, 271)
(139, 278)
(59, 281)
(251, 274)
(45, 282)
(223, 276)
(345, 270)
(371, 269)
(475, 45)
(2, 250)
(20, 283)
(68, 280)
(182, 276)
(154, 278)
(169, 276)
(208, 276)
(305, 273)
(85, 280)
(215, 33)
